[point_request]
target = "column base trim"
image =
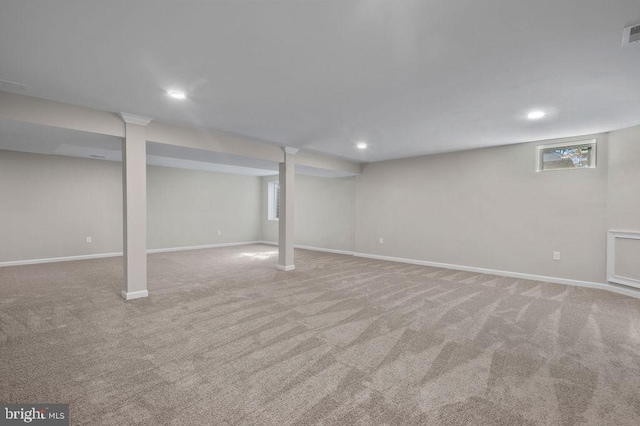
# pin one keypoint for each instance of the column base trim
(286, 268)
(134, 294)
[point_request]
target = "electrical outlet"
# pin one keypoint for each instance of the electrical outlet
(556, 255)
(89, 240)
(219, 232)
(381, 240)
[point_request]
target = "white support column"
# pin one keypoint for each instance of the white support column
(286, 221)
(134, 191)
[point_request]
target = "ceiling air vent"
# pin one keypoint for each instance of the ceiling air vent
(631, 34)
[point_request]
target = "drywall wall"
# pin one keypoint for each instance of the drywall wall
(189, 207)
(269, 228)
(324, 212)
(487, 208)
(50, 204)
(623, 198)
(623, 190)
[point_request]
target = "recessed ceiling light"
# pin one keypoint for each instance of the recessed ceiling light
(361, 145)
(176, 94)
(535, 115)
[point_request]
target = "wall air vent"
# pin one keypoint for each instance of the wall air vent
(8, 86)
(631, 34)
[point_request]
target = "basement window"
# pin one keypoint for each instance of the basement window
(563, 156)
(274, 200)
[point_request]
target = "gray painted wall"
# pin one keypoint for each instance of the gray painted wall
(269, 228)
(324, 212)
(188, 207)
(623, 208)
(50, 204)
(487, 208)
(623, 201)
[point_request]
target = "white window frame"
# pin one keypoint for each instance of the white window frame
(273, 192)
(590, 142)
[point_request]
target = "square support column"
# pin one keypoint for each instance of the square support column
(134, 191)
(286, 221)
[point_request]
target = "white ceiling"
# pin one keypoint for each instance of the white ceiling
(410, 77)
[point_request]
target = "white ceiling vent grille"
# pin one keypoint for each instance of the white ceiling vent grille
(631, 34)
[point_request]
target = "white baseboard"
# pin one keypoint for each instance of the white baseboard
(326, 250)
(208, 246)
(348, 253)
(134, 294)
(102, 255)
(59, 259)
(600, 286)
(620, 289)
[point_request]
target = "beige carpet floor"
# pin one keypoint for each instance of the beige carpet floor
(225, 338)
